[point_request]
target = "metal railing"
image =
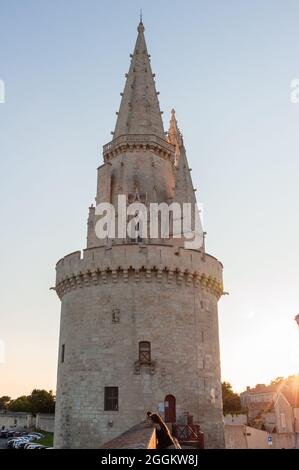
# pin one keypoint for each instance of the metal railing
(188, 433)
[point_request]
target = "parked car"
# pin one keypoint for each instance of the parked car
(32, 437)
(38, 434)
(10, 442)
(26, 445)
(35, 446)
(16, 444)
(18, 441)
(22, 444)
(15, 441)
(21, 440)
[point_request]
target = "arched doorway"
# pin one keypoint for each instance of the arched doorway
(169, 407)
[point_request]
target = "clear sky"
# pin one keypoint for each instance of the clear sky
(226, 68)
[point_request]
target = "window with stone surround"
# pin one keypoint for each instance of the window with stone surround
(111, 399)
(144, 352)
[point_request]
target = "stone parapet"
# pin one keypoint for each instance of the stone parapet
(138, 263)
(127, 143)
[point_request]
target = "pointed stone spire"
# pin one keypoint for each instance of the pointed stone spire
(173, 132)
(139, 111)
(174, 136)
(184, 191)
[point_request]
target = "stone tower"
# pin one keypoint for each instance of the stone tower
(139, 319)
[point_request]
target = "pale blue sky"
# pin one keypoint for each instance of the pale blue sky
(226, 68)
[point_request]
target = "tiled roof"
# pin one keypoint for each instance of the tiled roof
(260, 388)
(290, 390)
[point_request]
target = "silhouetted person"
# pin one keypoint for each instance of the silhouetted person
(164, 437)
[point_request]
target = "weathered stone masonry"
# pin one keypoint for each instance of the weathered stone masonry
(120, 293)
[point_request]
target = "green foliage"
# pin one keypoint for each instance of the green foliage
(231, 400)
(47, 440)
(4, 402)
(39, 401)
(19, 404)
(42, 401)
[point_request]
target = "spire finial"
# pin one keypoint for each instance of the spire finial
(140, 28)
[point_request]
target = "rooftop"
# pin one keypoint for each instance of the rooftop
(260, 388)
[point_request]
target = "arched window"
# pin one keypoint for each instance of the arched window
(145, 352)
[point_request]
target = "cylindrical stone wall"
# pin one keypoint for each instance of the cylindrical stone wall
(111, 300)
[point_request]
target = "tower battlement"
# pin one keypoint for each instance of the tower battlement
(137, 263)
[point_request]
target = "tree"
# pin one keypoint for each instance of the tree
(42, 401)
(39, 401)
(4, 402)
(277, 381)
(20, 404)
(231, 400)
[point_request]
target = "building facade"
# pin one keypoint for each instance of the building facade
(258, 398)
(272, 407)
(139, 317)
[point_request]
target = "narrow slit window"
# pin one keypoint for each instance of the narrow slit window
(62, 352)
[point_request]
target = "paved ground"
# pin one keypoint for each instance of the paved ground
(3, 443)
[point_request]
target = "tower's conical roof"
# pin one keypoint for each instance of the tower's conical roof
(174, 135)
(184, 191)
(139, 111)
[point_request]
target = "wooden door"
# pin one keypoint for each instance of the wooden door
(169, 407)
